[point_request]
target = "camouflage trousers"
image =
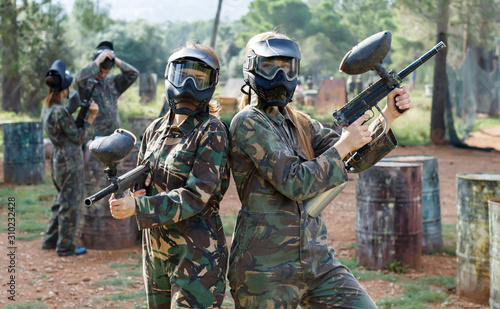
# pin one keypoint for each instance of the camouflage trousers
(61, 231)
(183, 277)
(256, 285)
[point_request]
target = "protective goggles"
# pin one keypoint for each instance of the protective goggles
(268, 67)
(202, 75)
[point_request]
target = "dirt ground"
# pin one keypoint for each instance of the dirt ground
(69, 282)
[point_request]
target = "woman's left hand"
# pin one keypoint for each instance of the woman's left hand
(399, 97)
(122, 208)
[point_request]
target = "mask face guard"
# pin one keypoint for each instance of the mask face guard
(275, 84)
(185, 86)
(275, 54)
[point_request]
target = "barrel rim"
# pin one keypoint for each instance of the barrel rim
(482, 176)
(412, 158)
(388, 164)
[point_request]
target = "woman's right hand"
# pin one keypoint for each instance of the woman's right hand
(93, 110)
(142, 192)
(353, 137)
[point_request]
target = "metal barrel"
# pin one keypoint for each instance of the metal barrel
(24, 155)
(473, 241)
(494, 222)
(389, 215)
(432, 239)
(97, 229)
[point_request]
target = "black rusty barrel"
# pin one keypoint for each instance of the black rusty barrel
(389, 215)
(473, 241)
(24, 155)
(494, 223)
(432, 239)
(97, 228)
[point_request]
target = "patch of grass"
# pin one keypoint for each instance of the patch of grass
(32, 207)
(27, 305)
(119, 281)
(362, 274)
(228, 222)
(124, 296)
(486, 122)
(449, 231)
(125, 265)
(417, 293)
(124, 278)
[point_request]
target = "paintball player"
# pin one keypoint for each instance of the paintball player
(66, 161)
(109, 87)
(281, 157)
(184, 246)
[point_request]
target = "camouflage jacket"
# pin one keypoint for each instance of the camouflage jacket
(106, 94)
(62, 130)
(273, 178)
(190, 171)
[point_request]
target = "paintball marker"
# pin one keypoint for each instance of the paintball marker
(110, 150)
(365, 56)
(85, 104)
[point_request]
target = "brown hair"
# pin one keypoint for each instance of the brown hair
(300, 119)
(214, 107)
(53, 96)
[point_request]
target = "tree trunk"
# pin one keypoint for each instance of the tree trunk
(438, 127)
(11, 79)
(216, 25)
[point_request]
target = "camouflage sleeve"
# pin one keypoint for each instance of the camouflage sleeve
(322, 138)
(66, 124)
(377, 151)
(203, 181)
(281, 167)
(127, 77)
(82, 76)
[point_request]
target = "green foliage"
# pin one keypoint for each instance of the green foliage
(396, 267)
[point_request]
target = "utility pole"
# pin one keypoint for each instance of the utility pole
(216, 25)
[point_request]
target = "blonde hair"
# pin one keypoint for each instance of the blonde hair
(214, 107)
(301, 120)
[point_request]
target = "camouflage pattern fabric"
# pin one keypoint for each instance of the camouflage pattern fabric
(279, 255)
(184, 246)
(67, 175)
(106, 94)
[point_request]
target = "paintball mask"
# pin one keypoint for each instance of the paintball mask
(108, 63)
(62, 76)
(190, 79)
(271, 68)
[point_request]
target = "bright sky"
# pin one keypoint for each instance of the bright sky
(157, 11)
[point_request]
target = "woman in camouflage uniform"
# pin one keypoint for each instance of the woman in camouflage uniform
(66, 161)
(280, 158)
(184, 246)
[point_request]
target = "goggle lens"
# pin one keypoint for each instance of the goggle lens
(268, 67)
(202, 75)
